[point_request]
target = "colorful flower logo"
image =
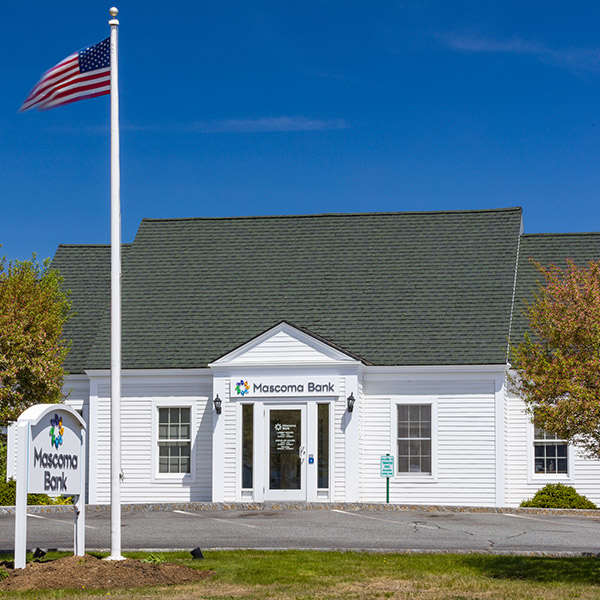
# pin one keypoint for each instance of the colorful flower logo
(56, 431)
(242, 387)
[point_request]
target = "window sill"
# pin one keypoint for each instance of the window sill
(173, 478)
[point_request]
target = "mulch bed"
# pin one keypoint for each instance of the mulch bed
(89, 572)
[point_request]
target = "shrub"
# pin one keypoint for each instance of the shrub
(2, 457)
(8, 492)
(557, 495)
(8, 489)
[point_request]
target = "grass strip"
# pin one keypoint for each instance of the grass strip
(298, 575)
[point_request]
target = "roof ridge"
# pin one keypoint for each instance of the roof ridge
(562, 234)
(353, 214)
(92, 245)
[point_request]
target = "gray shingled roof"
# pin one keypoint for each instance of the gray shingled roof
(423, 288)
(547, 248)
(86, 272)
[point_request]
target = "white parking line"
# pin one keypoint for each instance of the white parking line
(56, 520)
(412, 524)
(183, 512)
(552, 522)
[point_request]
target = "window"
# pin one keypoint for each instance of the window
(550, 453)
(414, 438)
(174, 441)
(247, 445)
(323, 445)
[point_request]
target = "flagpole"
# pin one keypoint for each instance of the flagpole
(115, 279)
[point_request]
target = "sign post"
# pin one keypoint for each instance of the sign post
(51, 440)
(386, 469)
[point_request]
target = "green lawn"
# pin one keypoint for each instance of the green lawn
(349, 575)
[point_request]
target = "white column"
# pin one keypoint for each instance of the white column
(218, 438)
(500, 415)
(352, 440)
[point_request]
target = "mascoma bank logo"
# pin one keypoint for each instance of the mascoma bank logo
(56, 431)
(242, 387)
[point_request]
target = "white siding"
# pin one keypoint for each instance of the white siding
(340, 417)
(465, 460)
(282, 348)
(76, 390)
(522, 485)
(230, 452)
(507, 446)
(284, 344)
(139, 395)
(516, 442)
(99, 467)
(586, 477)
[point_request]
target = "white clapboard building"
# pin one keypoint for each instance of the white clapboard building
(279, 358)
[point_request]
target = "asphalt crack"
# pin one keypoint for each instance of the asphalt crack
(418, 525)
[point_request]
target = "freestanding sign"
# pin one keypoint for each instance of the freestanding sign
(386, 469)
(50, 460)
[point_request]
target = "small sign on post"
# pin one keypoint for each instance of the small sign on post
(50, 460)
(386, 469)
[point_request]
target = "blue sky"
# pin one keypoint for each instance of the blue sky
(251, 108)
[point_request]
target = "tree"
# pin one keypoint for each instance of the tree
(557, 365)
(33, 311)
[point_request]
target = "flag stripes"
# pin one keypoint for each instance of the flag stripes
(83, 74)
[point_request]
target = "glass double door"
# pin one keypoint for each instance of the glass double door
(286, 453)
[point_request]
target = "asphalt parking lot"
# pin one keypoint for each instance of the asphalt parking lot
(324, 529)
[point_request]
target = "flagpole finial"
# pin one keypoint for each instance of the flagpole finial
(114, 11)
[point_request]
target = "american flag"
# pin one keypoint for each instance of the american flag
(83, 74)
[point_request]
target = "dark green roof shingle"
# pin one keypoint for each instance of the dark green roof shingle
(86, 273)
(546, 249)
(423, 288)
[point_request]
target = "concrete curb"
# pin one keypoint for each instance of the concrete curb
(283, 506)
(542, 553)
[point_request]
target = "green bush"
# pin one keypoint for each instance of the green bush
(8, 489)
(8, 492)
(557, 495)
(2, 457)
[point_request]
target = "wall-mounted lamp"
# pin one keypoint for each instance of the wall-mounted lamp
(217, 402)
(351, 401)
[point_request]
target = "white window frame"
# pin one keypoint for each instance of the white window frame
(330, 407)
(542, 478)
(174, 477)
(415, 400)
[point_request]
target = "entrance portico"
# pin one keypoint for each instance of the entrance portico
(285, 432)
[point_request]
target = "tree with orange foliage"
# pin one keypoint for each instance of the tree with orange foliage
(557, 365)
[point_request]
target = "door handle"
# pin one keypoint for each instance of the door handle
(302, 453)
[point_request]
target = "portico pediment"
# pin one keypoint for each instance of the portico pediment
(285, 344)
